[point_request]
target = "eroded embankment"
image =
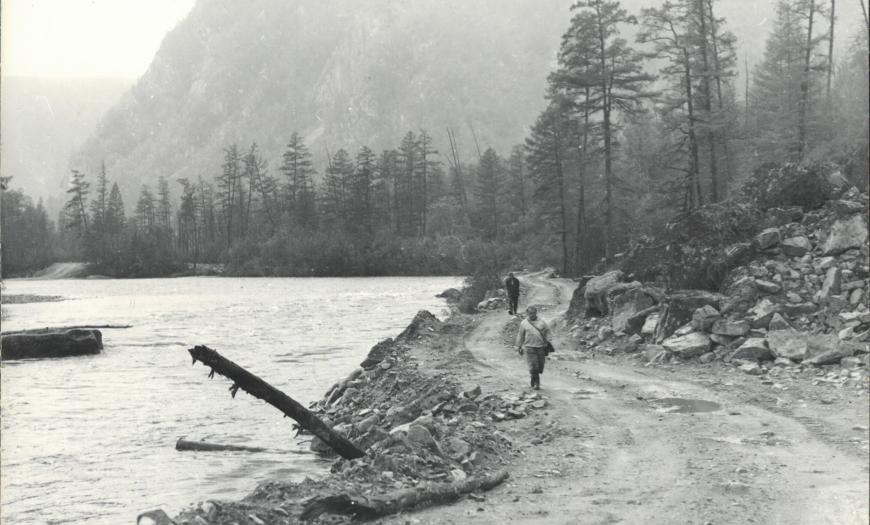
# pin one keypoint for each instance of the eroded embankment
(426, 440)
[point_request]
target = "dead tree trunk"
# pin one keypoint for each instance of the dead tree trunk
(242, 379)
(184, 445)
(369, 507)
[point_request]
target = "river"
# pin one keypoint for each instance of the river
(91, 439)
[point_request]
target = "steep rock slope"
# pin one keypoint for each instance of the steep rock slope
(342, 73)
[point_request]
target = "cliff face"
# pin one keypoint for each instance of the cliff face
(342, 73)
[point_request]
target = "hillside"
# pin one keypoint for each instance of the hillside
(43, 121)
(342, 74)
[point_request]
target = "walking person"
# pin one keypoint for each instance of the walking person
(532, 338)
(512, 285)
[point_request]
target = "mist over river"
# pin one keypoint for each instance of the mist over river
(91, 439)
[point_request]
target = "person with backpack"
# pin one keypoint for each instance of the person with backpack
(533, 340)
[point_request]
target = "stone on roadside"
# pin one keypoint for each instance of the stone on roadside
(831, 286)
(855, 296)
(798, 346)
(767, 286)
(704, 317)
(783, 362)
(778, 322)
(649, 325)
(653, 353)
(689, 345)
(604, 332)
(796, 246)
(768, 238)
(730, 328)
(851, 362)
(754, 349)
(597, 288)
(761, 313)
(722, 340)
(709, 357)
(752, 369)
(829, 357)
(845, 234)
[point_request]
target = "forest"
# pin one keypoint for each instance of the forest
(635, 133)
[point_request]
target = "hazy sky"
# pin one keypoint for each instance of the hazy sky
(58, 38)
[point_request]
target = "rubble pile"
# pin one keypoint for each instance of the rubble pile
(799, 300)
(415, 427)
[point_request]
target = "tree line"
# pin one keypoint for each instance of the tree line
(633, 134)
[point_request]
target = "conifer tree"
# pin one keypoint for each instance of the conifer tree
(488, 193)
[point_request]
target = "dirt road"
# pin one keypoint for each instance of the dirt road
(621, 443)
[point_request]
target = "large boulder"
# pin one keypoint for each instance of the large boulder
(797, 346)
(767, 238)
(50, 343)
(830, 357)
(679, 309)
(846, 234)
(753, 349)
(625, 306)
(796, 246)
(597, 289)
(689, 345)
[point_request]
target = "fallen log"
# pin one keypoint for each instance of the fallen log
(39, 344)
(370, 507)
(185, 445)
(244, 380)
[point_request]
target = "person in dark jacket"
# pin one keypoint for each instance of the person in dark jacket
(512, 285)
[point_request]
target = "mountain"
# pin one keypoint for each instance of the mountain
(343, 73)
(347, 73)
(43, 121)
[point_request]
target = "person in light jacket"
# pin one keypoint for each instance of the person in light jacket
(532, 340)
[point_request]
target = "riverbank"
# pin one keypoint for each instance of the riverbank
(613, 440)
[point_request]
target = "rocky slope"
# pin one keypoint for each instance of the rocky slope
(798, 301)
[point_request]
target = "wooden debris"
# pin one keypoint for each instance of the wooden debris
(369, 507)
(244, 380)
(185, 445)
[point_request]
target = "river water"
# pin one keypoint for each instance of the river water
(91, 439)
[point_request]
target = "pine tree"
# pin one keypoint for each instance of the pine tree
(74, 209)
(98, 215)
(615, 81)
(300, 173)
(360, 202)
(229, 191)
(146, 211)
(334, 195)
(488, 193)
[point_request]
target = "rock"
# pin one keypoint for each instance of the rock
(722, 340)
(366, 424)
(829, 357)
(797, 346)
(825, 262)
(472, 393)
(679, 309)
(831, 286)
(855, 347)
(754, 349)
(851, 362)
(493, 303)
(799, 309)
(845, 234)
(778, 322)
(782, 361)
(627, 304)
(653, 353)
(33, 344)
(768, 238)
(709, 357)
(688, 346)
(597, 289)
(420, 435)
(855, 296)
(422, 323)
(451, 294)
(631, 344)
(456, 448)
(837, 181)
(796, 246)
(794, 298)
(767, 286)
(761, 313)
(844, 208)
(730, 328)
(752, 369)
(650, 324)
(704, 317)
(378, 353)
(604, 332)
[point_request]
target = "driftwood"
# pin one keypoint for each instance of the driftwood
(369, 507)
(50, 329)
(244, 380)
(185, 445)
